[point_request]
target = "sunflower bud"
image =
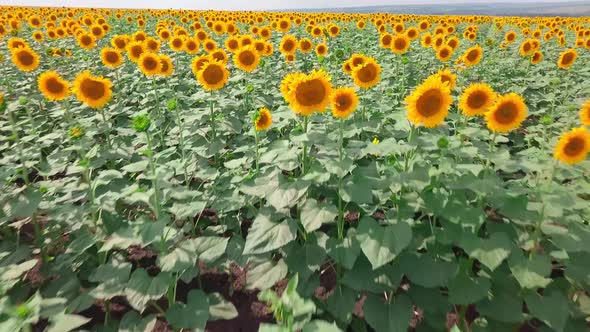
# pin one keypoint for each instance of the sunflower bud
(23, 100)
(250, 88)
(442, 143)
(76, 132)
(172, 104)
(23, 311)
(546, 120)
(141, 123)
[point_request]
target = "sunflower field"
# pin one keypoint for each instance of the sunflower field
(176, 170)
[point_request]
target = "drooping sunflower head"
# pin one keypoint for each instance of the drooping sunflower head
(573, 147)
(444, 53)
(213, 75)
(53, 86)
(585, 113)
(246, 58)
(321, 49)
(567, 58)
(149, 64)
(94, 91)
(309, 93)
(448, 77)
(429, 103)
(262, 119)
(111, 57)
(25, 59)
(476, 99)
(400, 44)
(472, 56)
(288, 45)
(506, 113)
(134, 50)
(344, 101)
(367, 74)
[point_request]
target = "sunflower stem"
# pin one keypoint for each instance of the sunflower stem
(182, 150)
(212, 117)
(21, 155)
(154, 176)
(257, 154)
(108, 130)
(340, 157)
(304, 157)
(158, 111)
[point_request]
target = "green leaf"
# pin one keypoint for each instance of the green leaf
(466, 290)
(341, 303)
(503, 306)
(530, 272)
(344, 252)
(265, 275)
(388, 317)
(133, 322)
(192, 315)
(266, 235)
(382, 244)
(552, 308)
(64, 322)
(142, 288)
(136, 167)
(219, 308)
(187, 210)
(287, 194)
(313, 215)
(490, 252)
(24, 205)
(320, 326)
(425, 271)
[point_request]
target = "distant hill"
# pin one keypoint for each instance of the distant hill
(573, 8)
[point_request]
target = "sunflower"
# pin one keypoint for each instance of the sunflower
(429, 103)
(213, 75)
(288, 45)
(166, 65)
(525, 48)
(210, 45)
(305, 45)
(447, 76)
(412, 33)
(573, 147)
(94, 91)
(321, 49)
(152, 44)
(150, 64)
(385, 40)
(537, 57)
(309, 93)
(232, 44)
(198, 63)
(506, 113)
(134, 50)
(120, 42)
(176, 43)
(453, 42)
(111, 57)
(444, 53)
(262, 119)
(472, 56)
(426, 40)
(347, 67)
(367, 74)
(344, 101)
(15, 42)
(585, 113)
(476, 99)
(52, 86)
(246, 58)
(25, 59)
(510, 37)
(38, 36)
(567, 58)
(86, 41)
(286, 84)
(191, 45)
(400, 44)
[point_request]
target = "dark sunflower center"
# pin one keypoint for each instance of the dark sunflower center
(232, 44)
(150, 63)
(472, 55)
(54, 86)
(247, 58)
(26, 58)
(343, 102)
(429, 103)
(444, 53)
(288, 45)
(136, 51)
(400, 44)
(506, 113)
(213, 74)
(367, 74)
(568, 58)
(574, 147)
(92, 89)
(310, 93)
(477, 100)
(112, 57)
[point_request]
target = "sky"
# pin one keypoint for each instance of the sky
(241, 4)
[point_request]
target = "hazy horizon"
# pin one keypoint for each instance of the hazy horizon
(260, 5)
